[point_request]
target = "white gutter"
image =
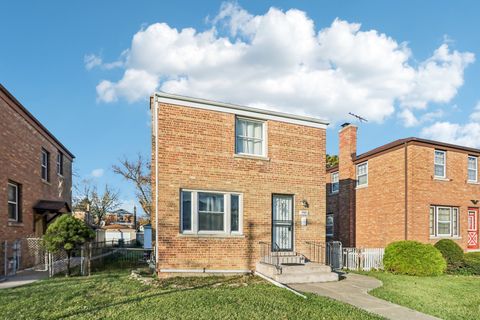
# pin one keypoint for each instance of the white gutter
(155, 103)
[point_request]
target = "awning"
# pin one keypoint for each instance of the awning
(48, 206)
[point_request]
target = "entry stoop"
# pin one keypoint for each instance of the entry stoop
(297, 273)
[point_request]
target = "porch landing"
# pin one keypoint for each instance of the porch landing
(297, 273)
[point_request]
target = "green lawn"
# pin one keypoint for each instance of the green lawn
(113, 295)
(446, 296)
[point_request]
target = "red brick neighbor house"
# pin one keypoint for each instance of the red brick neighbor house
(227, 177)
(35, 173)
(411, 188)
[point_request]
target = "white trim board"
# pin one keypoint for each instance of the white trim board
(167, 98)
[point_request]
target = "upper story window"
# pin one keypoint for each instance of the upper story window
(444, 221)
(45, 165)
(472, 169)
(60, 163)
(250, 137)
(210, 212)
(440, 162)
(335, 185)
(362, 174)
(330, 225)
(13, 201)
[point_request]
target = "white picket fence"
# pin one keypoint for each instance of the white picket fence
(363, 259)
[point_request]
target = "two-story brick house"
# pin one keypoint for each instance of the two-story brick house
(35, 172)
(411, 188)
(225, 177)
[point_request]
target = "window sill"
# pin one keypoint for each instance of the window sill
(445, 237)
(48, 183)
(441, 179)
(252, 157)
(361, 187)
(473, 182)
(333, 193)
(15, 224)
(219, 235)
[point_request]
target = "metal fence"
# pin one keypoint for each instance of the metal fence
(363, 259)
(22, 254)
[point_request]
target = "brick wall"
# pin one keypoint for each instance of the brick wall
(196, 151)
(21, 142)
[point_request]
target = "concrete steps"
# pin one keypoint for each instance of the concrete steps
(300, 273)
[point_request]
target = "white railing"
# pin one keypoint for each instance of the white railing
(363, 259)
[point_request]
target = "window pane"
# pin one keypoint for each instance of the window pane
(12, 211)
(455, 222)
(12, 193)
(439, 170)
(432, 221)
(44, 173)
(234, 211)
(443, 214)
(362, 180)
(472, 175)
(249, 137)
(444, 228)
(210, 221)
(472, 163)
(210, 202)
(439, 157)
(186, 210)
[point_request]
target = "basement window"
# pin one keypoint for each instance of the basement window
(211, 212)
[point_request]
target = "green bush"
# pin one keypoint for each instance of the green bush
(413, 258)
(471, 264)
(452, 253)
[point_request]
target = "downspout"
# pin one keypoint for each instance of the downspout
(155, 103)
(406, 191)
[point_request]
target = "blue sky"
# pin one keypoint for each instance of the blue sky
(67, 63)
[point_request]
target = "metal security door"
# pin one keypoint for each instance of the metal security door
(282, 222)
(472, 228)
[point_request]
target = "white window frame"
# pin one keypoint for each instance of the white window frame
(227, 215)
(330, 215)
(264, 137)
(476, 168)
(454, 223)
(439, 164)
(366, 174)
(334, 183)
(14, 202)
(60, 161)
(46, 156)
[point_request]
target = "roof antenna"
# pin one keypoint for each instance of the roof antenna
(359, 118)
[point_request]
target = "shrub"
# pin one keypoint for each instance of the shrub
(471, 264)
(413, 258)
(452, 253)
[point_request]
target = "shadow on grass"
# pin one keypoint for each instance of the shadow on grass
(138, 299)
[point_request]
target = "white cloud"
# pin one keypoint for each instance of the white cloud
(279, 60)
(467, 134)
(97, 173)
(91, 61)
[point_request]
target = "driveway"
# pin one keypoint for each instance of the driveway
(22, 278)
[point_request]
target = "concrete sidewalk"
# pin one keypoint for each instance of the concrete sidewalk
(354, 290)
(22, 278)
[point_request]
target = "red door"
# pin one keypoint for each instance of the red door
(472, 228)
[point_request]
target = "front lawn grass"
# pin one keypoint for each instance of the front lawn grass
(446, 296)
(114, 295)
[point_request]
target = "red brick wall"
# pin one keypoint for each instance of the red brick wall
(196, 151)
(21, 142)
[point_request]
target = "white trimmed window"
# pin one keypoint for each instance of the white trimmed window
(211, 212)
(362, 174)
(444, 221)
(45, 165)
(440, 164)
(13, 202)
(335, 185)
(250, 137)
(472, 169)
(330, 225)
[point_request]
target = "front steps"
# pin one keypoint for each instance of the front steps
(298, 273)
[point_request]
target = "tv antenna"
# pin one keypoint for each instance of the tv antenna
(359, 118)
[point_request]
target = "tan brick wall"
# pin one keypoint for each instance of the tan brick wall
(196, 151)
(21, 143)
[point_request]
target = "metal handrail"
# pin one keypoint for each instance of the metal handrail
(316, 251)
(270, 255)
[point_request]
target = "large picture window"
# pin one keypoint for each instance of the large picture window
(210, 212)
(250, 137)
(444, 221)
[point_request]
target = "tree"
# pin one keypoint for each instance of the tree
(332, 161)
(67, 233)
(98, 204)
(137, 171)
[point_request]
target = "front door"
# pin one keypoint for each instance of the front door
(282, 222)
(472, 228)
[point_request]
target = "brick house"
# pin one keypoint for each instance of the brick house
(35, 172)
(230, 177)
(411, 188)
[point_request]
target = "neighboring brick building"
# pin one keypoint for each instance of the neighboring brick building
(411, 188)
(223, 172)
(35, 173)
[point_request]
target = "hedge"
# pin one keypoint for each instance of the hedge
(452, 253)
(413, 258)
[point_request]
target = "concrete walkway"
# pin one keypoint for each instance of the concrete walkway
(22, 278)
(354, 290)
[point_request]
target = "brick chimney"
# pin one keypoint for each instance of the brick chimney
(347, 176)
